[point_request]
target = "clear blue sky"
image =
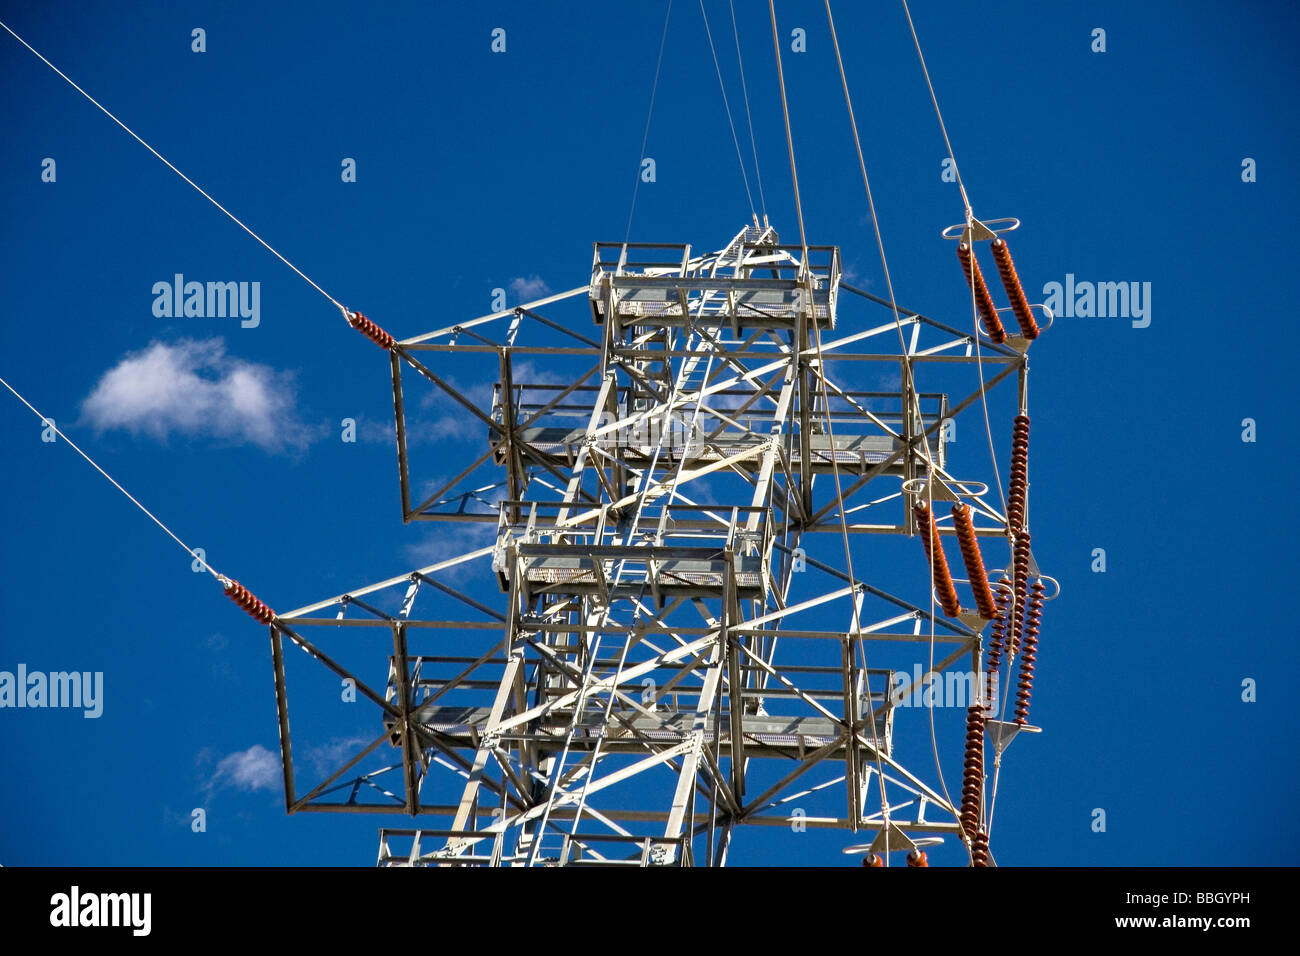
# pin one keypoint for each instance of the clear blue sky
(477, 169)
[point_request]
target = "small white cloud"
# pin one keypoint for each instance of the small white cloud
(529, 288)
(193, 388)
(330, 756)
(450, 420)
(453, 539)
(889, 381)
(529, 373)
(253, 769)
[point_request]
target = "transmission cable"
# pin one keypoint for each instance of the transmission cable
(753, 144)
(49, 423)
(821, 372)
(645, 137)
(727, 106)
(346, 314)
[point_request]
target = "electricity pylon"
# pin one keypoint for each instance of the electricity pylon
(671, 491)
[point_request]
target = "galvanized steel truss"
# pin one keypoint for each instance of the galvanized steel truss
(627, 703)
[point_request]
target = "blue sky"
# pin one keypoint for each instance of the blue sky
(478, 170)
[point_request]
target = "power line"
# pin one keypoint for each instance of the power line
(753, 144)
(727, 106)
(645, 137)
(830, 431)
(49, 423)
(201, 191)
(937, 112)
(789, 140)
(909, 385)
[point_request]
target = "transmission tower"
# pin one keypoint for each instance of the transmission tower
(694, 467)
(667, 659)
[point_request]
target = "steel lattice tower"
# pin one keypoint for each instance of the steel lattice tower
(667, 659)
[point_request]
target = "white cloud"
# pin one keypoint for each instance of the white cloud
(528, 288)
(329, 757)
(529, 373)
(193, 388)
(451, 540)
(889, 381)
(451, 421)
(253, 769)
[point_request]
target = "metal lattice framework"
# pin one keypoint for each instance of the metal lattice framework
(668, 658)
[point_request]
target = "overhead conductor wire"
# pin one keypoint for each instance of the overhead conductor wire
(346, 314)
(909, 369)
(238, 593)
(753, 143)
(848, 557)
(645, 137)
(970, 218)
(727, 106)
(980, 365)
(152, 517)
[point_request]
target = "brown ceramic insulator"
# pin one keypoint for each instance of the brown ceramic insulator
(972, 779)
(873, 859)
(996, 643)
(1029, 654)
(1018, 487)
(979, 851)
(371, 331)
(938, 561)
(1020, 584)
(983, 301)
(918, 858)
(249, 602)
(974, 561)
(1015, 291)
